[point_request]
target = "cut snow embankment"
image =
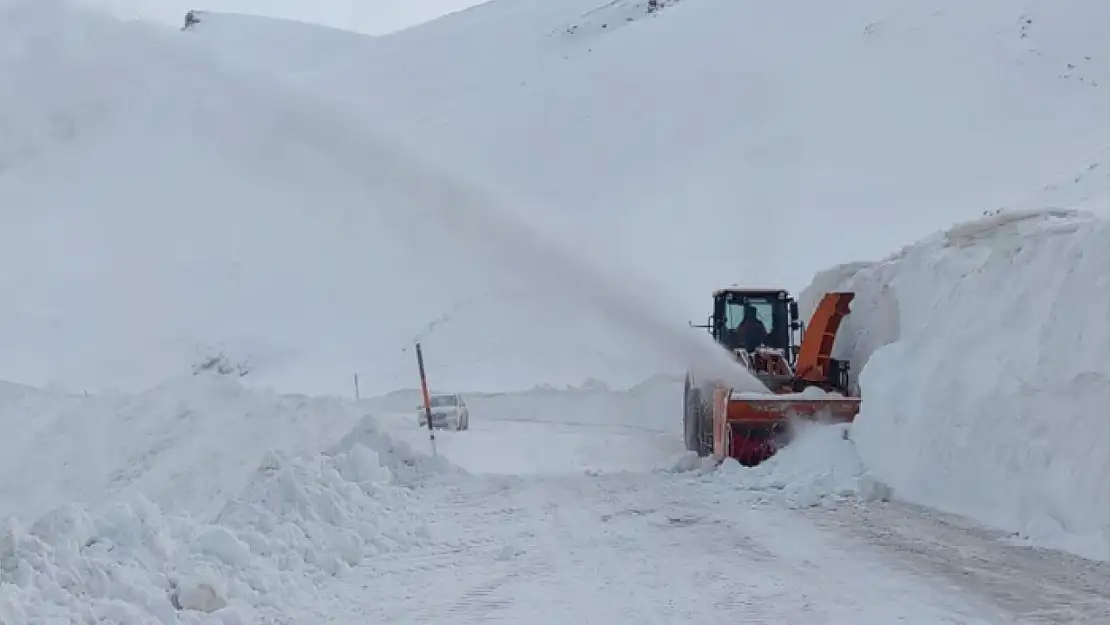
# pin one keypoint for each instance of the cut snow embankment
(284, 514)
(982, 360)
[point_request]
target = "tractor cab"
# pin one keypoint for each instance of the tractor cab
(747, 319)
(758, 326)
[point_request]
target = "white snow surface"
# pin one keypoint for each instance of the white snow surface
(249, 187)
(820, 464)
(369, 16)
(362, 528)
(290, 237)
(713, 123)
(984, 374)
(554, 431)
(188, 444)
(172, 200)
(196, 502)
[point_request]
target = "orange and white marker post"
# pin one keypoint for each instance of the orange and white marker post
(427, 398)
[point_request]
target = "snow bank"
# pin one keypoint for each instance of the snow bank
(292, 519)
(982, 360)
(188, 444)
(299, 520)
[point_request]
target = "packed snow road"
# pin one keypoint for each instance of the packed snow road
(591, 541)
(628, 548)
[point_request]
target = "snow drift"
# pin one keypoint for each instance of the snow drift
(187, 444)
(221, 505)
(982, 360)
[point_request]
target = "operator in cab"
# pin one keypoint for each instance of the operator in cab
(751, 330)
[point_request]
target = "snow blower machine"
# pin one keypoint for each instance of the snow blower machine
(761, 329)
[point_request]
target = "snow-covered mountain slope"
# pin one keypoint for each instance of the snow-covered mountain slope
(169, 211)
(170, 207)
(687, 139)
(982, 353)
(373, 17)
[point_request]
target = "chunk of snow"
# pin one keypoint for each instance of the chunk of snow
(819, 464)
(204, 593)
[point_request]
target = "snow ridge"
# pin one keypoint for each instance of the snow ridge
(984, 374)
(301, 517)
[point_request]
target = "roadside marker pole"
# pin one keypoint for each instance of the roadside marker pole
(357, 397)
(427, 399)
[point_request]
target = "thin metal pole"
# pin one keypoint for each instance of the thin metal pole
(427, 398)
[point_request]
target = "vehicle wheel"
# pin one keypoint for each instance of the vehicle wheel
(689, 420)
(697, 423)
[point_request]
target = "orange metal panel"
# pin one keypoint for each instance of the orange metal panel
(817, 344)
(720, 422)
(767, 410)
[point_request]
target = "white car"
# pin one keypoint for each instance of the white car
(448, 411)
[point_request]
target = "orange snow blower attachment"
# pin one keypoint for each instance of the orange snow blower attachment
(751, 427)
(803, 381)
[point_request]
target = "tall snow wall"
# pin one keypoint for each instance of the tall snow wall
(983, 357)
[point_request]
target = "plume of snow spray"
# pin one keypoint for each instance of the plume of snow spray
(420, 198)
(426, 203)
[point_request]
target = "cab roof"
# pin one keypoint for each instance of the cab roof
(749, 291)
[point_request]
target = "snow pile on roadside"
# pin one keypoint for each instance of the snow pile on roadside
(986, 380)
(187, 444)
(298, 521)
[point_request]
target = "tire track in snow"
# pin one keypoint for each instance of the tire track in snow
(1037, 586)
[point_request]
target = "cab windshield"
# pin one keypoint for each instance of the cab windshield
(761, 308)
(751, 320)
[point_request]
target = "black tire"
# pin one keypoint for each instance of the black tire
(696, 422)
(689, 427)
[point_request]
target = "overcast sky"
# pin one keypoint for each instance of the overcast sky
(367, 16)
